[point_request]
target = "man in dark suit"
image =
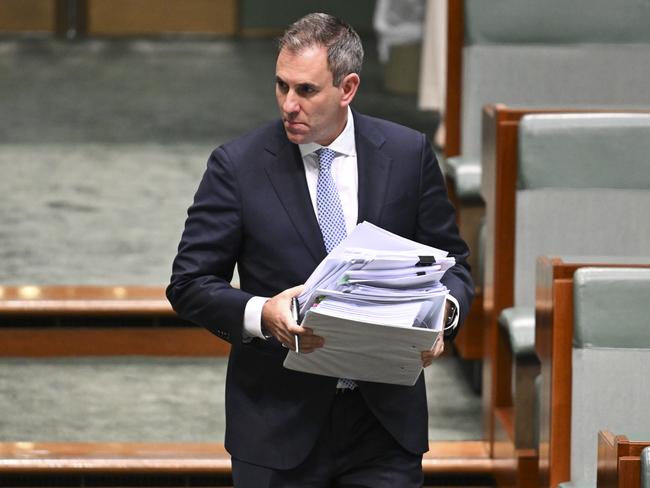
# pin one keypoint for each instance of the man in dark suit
(260, 205)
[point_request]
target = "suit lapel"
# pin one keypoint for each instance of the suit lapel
(287, 174)
(374, 170)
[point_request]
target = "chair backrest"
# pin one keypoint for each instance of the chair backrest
(611, 342)
(554, 53)
(583, 182)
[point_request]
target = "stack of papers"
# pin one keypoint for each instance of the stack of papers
(378, 302)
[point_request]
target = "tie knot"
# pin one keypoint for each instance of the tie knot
(325, 157)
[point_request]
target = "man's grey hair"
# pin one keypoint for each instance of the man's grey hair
(344, 49)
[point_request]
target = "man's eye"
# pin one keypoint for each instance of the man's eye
(306, 90)
(282, 86)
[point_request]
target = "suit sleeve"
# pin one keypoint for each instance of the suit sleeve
(199, 289)
(436, 226)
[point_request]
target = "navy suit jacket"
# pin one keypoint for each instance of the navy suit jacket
(253, 208)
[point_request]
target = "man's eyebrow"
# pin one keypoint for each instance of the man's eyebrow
(307, 85)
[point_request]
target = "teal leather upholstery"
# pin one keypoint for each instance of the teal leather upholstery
(519, 324)
(550, 75)
(645, 468)
(557, 21)
(584, 151)
(572, 200)
(466, 174)
(600, 323)
(607, 379)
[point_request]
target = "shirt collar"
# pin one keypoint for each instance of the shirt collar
(343, 144)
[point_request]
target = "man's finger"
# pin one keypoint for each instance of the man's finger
(294, 291)
(438, 348)
(428, 356)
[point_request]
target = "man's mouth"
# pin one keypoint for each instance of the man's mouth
(293, 125)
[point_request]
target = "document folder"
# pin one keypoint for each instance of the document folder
(378, 302)
(365, 351)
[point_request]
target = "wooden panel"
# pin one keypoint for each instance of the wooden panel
(123, 341)
(464, 457)
(84, 300)
(132, 17)
(489, 339)
(31, 457)
(560, 382)
(454, 77)
(607, 470)
(543, 328)
(452, 458)
(629, 472)
(27, 15)
(97, 321)
(503, 425)
(527, 469)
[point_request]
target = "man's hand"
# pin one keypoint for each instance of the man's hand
(437, 349)
(277, 321)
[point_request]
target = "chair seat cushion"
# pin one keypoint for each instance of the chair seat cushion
(466, 174)
(519, 322)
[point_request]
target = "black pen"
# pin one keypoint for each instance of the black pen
(295, 313)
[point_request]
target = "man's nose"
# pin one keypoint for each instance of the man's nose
(290, 104)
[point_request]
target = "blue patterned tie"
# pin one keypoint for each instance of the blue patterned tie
(330, 215)
(328, 203)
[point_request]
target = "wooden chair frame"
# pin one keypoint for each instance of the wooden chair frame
(553, 343)
(619, 463)
(499, 160)
(455, 38)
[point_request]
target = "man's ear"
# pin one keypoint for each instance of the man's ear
(349, 86)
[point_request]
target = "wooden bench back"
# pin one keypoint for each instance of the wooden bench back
(97, 321)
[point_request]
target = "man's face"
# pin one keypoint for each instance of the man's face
(312, 108)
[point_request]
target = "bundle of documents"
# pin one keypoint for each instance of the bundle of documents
(378, 302)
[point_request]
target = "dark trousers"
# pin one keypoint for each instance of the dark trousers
(352, 451)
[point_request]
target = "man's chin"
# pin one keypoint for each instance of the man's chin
(297, 138)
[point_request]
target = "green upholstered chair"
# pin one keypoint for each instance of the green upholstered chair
(582, 190)
(585, 53)
(526, 53)
(611, 342)
(529, 54)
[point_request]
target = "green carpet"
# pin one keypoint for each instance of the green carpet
(144, 399)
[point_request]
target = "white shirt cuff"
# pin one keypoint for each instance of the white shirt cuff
(253, 318)
(454, 324)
